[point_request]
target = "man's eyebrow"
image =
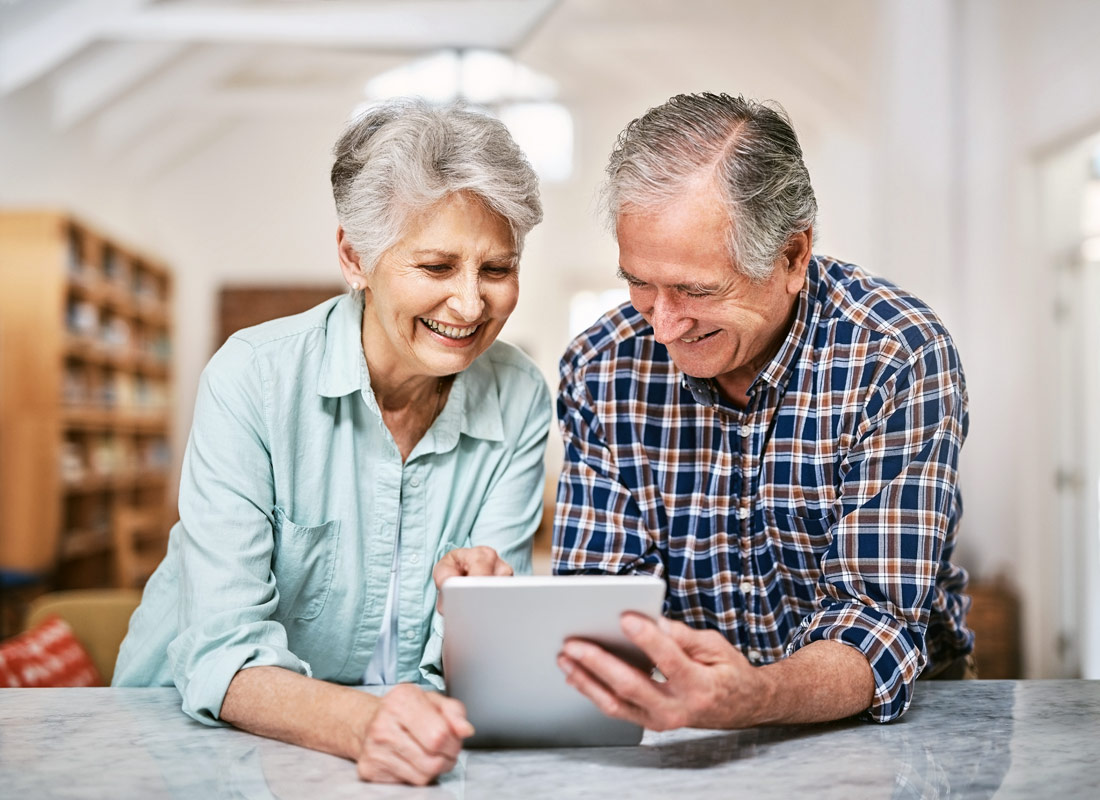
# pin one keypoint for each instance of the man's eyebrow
(697, 288)
(693, 288)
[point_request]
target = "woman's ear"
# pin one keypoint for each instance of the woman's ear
(349, 260)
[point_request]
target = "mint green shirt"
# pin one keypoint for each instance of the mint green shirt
(291, 494)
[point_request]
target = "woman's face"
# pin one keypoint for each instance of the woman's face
(439, 297)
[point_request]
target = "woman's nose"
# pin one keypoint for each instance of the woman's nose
(466, 299)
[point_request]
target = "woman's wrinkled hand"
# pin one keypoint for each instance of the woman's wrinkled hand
(467, 561)
(414, 737)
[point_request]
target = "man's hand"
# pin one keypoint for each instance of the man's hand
(414, 737)
(708, 683)
(467, 561)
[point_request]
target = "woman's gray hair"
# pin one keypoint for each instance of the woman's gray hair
(403, 156)
(750, 149)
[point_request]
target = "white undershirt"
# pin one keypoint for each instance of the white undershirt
(382, 669)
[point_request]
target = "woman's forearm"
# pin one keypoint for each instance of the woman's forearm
(280, 704)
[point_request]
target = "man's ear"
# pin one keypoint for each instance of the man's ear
(798, 252)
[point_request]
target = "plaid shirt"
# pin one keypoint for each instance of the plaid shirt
(826, 509)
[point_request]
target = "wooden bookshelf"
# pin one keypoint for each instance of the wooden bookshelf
(85, 394)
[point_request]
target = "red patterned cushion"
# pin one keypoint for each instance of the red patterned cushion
(48, 655)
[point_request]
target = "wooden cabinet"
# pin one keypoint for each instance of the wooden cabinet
(85, 395)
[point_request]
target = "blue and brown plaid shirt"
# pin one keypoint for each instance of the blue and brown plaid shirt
(826, 509)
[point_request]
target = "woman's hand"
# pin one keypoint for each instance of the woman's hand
(467, 561)
(414, 737)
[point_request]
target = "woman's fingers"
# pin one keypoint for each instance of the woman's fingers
(472, 561)
(415, 737)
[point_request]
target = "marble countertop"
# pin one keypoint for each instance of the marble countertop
(960, 739)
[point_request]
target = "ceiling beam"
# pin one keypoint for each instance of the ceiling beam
(122, 123)
(32, 46)
(82, 87)
(389, 25)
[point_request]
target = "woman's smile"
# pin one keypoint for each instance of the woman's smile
(451, 335)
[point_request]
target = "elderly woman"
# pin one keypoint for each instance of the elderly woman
(338, 455)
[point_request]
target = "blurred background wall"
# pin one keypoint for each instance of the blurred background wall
(953, 145)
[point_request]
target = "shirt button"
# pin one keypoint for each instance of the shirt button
(743, 513)
(745, 430)
(755, 656)
(746, 587)
(414, 558)
(414, 482)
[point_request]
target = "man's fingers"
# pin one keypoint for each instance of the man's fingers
(707, 647)
(577, 676)
(623, 681)
(665, 651)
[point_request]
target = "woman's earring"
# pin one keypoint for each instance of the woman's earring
(356, 285)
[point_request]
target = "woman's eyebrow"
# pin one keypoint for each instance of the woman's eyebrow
(444, 255)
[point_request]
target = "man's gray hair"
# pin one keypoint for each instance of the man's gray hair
(748, 147)
(403, 156)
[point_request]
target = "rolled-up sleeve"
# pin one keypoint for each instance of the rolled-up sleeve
(227, 590)
(897, 499)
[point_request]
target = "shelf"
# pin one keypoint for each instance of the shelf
(86, 386)
(91, 351)
(110, 483)
(83, 543)
(121, 301)
(97, 419)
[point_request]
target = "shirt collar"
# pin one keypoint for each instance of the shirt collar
(473, 406)
(779, 369)
(343, 369)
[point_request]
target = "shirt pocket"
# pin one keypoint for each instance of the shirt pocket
(802, 541)
(303, 562)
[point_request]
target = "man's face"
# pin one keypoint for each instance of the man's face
(715, 322)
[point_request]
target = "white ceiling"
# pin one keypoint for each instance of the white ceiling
(174, 75)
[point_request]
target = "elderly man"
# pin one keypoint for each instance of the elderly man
(774, 433)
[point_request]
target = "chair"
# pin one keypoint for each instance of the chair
(99, 619)
(140, 539)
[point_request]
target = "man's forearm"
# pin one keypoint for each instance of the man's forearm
(822, 681)
(283, 705)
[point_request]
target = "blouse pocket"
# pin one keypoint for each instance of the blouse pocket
(303, 563)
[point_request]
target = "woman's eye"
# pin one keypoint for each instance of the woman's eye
(435, 269)
(497, 271)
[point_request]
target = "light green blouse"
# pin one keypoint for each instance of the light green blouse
(291, 493)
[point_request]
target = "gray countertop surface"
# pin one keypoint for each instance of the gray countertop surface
(1028, 739)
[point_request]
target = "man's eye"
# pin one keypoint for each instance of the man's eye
(688, 293)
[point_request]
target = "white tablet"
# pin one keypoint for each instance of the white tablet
(500, 650)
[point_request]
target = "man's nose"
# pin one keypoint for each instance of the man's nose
(668, 319)
(466, 299)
